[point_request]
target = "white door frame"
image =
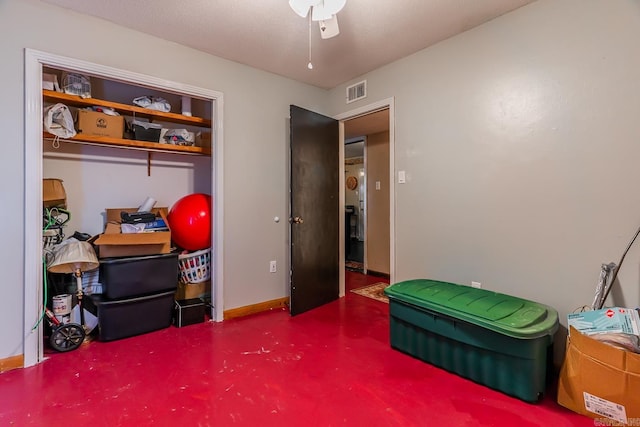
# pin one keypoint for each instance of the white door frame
(352, 114)
(33, 275)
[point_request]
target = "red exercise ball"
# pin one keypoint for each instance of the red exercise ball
(190, 222)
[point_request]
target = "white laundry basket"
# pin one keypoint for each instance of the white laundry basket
(195, 267)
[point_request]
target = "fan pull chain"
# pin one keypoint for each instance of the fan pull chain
(310, 65)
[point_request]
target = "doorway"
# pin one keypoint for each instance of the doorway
(354, 201)
(368, 196)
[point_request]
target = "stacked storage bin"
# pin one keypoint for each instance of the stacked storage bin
(195, 283)
(139, 276)
(138, 295)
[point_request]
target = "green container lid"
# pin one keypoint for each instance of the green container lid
(512, 316)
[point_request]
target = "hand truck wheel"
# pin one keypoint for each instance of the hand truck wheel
(67, 337)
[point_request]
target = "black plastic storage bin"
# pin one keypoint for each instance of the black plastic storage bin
(145, 131)
(133, 316)
(141, 275)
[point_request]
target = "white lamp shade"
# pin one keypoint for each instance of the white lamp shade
(71, 255)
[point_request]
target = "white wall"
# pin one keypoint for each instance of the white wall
(97, 178)
(352, 197)
(521, 144)
(377, 240)
(255, 131)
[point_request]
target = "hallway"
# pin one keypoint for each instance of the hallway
(330, 366)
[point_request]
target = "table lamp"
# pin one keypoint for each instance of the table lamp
(75, 257)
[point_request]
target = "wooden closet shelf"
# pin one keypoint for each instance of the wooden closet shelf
(133, 144)
(76, 101)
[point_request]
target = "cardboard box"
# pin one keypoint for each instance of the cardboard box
(193, 290)
(53, 193)
(203, 139)
(600, 381)
(112, 243)
(100, 124)
(50, 82)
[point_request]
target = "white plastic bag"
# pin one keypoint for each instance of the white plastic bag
(58, 121)
(152, 103)
(179, 137)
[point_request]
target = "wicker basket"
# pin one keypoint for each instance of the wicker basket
(195, 267)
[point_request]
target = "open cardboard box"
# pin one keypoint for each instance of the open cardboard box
(112, 243)
(600, 381)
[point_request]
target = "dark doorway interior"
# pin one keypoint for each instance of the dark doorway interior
(355, 250)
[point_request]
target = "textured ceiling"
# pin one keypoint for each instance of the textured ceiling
(268, 35)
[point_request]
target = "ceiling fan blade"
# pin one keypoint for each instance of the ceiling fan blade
(334, 6)
(320, 12)
(301, 7)
(329, 28)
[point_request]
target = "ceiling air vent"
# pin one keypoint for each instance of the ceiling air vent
(357, 91)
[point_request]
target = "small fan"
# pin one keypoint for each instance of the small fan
(322, 11)
(76, 84)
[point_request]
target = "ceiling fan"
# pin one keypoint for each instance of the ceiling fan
(322, 11)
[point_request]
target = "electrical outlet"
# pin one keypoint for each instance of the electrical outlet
(477, 285)
(272, 267)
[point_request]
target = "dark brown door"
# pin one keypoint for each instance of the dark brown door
(314, 218)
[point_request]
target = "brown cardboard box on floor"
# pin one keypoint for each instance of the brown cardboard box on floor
(100, 124)
(600, 381)
(112, 243)
(193, 290)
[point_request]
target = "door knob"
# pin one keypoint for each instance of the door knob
(296, 220)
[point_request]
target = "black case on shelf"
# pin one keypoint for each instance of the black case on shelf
(144, 131)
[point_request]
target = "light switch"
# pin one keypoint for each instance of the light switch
(377, 185)
(401, 177)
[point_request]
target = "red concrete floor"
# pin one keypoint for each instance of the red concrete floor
(327, 367)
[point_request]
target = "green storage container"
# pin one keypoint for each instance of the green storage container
(501, 341)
